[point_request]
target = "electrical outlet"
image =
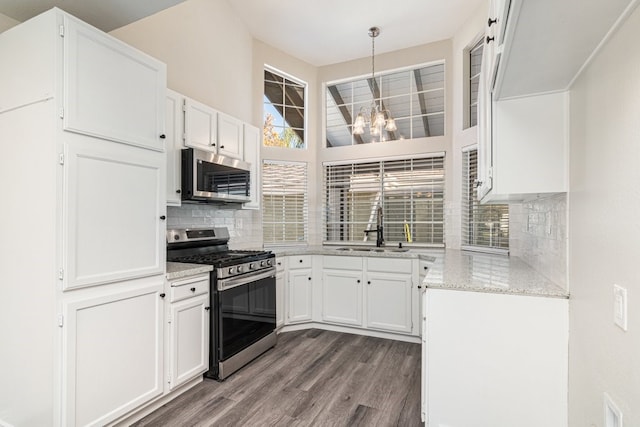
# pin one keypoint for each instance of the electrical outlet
(620, 306)
(612, 414)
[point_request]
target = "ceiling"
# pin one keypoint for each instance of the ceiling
(318, 32)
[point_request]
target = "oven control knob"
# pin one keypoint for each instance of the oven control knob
(252, 266)
(231, 270)
(262, 263)
(269, 262)
(240, 269)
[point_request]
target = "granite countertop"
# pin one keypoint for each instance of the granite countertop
(469, 271)
(178, 270)
(456, 270)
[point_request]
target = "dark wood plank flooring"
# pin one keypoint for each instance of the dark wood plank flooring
(311, 378)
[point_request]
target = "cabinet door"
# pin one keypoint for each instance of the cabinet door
(113, 209)
(188, 339)
(388, 299)
(200, 126)
(113, 352)
(252, 144)
(111, 90)
(342, 297)
(230, 136)
(299, 299)
(174, 129)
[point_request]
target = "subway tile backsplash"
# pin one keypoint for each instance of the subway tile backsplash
(538, 235)
(244, 225)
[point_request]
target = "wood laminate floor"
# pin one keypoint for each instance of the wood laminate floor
(311, 378)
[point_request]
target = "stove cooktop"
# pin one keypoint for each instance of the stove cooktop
(221, 259)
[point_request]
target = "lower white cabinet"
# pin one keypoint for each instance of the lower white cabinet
(113, 348)
(342, 297)
(388, 294)
(481, 347)
(300, 296)
(188, 329)
(299, 289)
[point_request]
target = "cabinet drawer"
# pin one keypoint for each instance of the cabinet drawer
(188, 288)
(279, 264)
(300, 261)
(424, 268)
(389, 265)
(342, 262)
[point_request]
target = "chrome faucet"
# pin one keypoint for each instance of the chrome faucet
(379, 230)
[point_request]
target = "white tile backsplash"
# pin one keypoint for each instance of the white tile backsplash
(245, 225)
(538, 235)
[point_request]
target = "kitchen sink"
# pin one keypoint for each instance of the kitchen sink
(373, 249)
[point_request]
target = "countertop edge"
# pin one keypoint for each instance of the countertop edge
(179, 270)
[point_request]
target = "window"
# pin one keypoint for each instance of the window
(284, 202)
(485, 226)
(284, 101)
(475, 62)
(409, 191)
(414, 98)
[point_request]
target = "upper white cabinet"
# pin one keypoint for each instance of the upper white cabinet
(174, 131)
(252, 144)
(111, 90)
(200, 126)
(230, 136)
(114, 213)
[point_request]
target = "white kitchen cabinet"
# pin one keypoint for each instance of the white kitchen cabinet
(342, 290)
(114, 213)
(188, 329)
(230, 136)
(99, 180)
(280, 291)
(200, 126)
(480, 347)
(388, 291)
(252, 145)
(113, 346)
(299, 289)
(174, 131)
(111, 90)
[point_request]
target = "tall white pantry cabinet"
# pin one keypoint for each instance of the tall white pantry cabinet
(83, 259)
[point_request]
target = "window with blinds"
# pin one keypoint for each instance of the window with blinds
(475, 62)
(409, 191)
(284, 202)
(483, 226)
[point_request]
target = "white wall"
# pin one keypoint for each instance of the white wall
(604, 235)
(6, 22)
(207, 49)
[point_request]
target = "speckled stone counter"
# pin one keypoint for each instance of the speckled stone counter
(468, 271)
(457, 270)
(178, 270)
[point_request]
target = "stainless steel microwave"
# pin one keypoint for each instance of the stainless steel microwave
(210, 177)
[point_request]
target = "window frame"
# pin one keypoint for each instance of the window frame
(380, 75)
(302, 185)
(386, 170)
(305, 108)
(469, 205)
(468, 78)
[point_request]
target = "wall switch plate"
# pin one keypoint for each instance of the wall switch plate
(612, 414)
(620, 306)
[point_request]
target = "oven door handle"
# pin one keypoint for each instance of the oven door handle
(232, 282)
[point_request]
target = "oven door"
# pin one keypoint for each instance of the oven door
(246, 311)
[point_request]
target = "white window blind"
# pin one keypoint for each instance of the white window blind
(284, 202)
(485, 226)
(410, 192)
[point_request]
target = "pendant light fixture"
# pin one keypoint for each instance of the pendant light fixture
(375, 117)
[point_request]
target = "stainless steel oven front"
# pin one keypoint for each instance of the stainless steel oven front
(243, 319)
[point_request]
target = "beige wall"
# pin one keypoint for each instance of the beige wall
(6, 22)
(207, 49)
(604, 236)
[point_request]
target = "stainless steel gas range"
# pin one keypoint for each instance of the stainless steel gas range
(243, 296)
